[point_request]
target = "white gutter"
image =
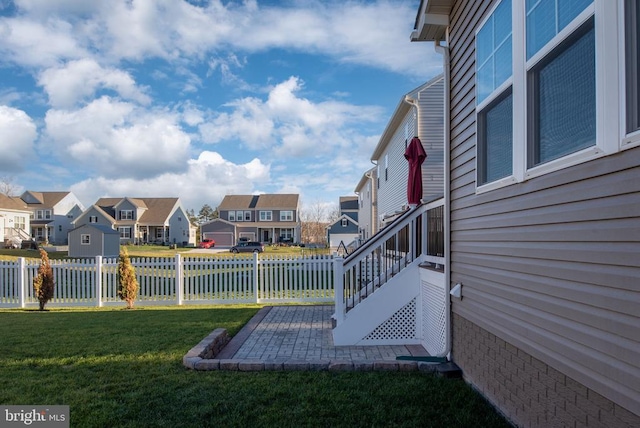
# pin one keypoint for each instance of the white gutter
(414, 103)
(444, 51)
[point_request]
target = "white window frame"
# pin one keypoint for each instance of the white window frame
(125, 232)
(247, 216)
(588, 153)
(611, 134)
(266, 216)
(126, 214)
(232, 216)
(239, 215)
(85, 239)
(629, 139)
(93, 219)
(497, 93)
(344, 222)
(286, 233)
(19, 222)
(286, 215)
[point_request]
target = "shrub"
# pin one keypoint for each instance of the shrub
(127, 282)
(43, 283)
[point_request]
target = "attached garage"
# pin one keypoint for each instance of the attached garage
(221, 231)
(222, 239)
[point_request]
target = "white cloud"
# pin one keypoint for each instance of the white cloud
(79, 80)
(117, 139)
(34, 44)
(370, 33)
(287, 123)
(17, 135)
(206, 181)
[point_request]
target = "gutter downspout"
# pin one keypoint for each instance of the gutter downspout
(414, 103)
(444, 51)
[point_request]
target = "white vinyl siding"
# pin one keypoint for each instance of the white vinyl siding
(392, 193)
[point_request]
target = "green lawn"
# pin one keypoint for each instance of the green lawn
(123, 368)
(165, 251)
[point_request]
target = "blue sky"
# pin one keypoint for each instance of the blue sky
(201, 98)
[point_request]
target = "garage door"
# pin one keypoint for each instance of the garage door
(223, 239)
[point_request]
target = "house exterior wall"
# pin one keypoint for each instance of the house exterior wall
(180, 228)
(64, 212)
(365, 206)
(431, 133)
(101, 243)
(392, 174)
(220, 231)
(9, 219)
(91, 212)
(426, 122)
(548, 324)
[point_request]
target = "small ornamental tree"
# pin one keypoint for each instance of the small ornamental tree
(43, 284)
(127, 282)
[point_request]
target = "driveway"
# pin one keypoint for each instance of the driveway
(207, 251)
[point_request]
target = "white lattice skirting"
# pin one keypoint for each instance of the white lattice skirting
(401, 325)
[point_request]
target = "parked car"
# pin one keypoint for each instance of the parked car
(247, 247)
(207, 243)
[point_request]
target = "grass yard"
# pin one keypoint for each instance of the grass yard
(123, 368)
(165, 251)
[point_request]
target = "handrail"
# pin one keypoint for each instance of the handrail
(383, 256)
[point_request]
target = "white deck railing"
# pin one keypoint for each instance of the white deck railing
(179, 280)
(416, 235)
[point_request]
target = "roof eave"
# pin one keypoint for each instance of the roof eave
(432, 21)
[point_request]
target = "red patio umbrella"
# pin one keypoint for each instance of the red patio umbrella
(416, 155)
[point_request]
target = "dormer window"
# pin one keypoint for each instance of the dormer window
(126, 214)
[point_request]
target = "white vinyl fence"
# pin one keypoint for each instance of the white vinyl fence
(179, 280)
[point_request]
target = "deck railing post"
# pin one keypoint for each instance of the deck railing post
(256, 283)
(98, 281)
(179, 280)
(338, 284)
(22, 282)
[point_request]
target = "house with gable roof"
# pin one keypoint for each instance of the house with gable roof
(419, 113)
(266, 218)
(52, 215)
(15, 218)
(345, 229)
(161, 221)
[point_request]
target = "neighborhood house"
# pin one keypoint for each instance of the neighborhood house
(142, 220)
(266, 218)
(15, 219)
